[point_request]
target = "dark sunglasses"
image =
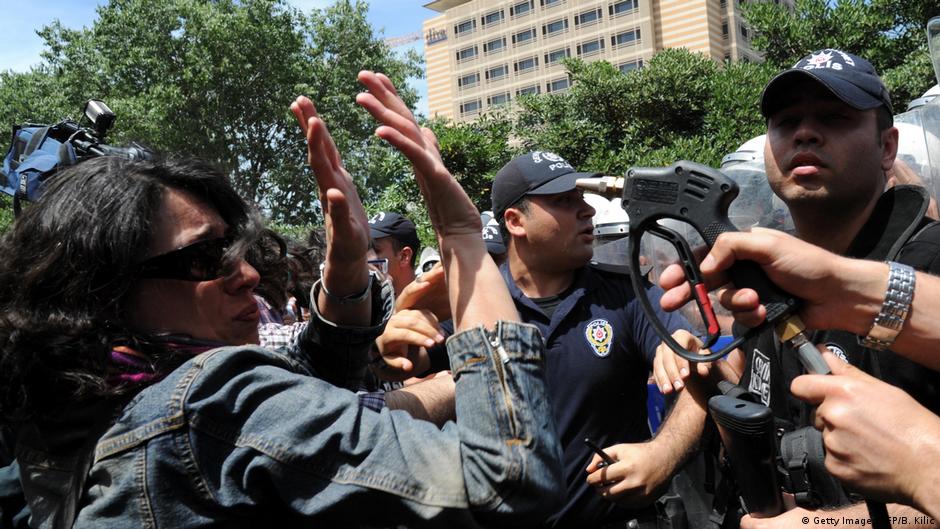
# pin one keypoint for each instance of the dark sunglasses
(200, 261)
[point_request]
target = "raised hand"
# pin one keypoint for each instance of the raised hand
(449, 208)
(347, 229)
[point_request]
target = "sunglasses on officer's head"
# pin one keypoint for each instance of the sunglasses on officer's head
(200, 261)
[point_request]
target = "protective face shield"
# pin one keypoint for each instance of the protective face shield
(928, 96)
(611, 221)
(429, 258)
(919, 147)
(611, 227)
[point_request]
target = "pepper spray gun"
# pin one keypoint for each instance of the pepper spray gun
(699, 195)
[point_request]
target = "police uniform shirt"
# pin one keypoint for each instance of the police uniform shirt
(599, 348)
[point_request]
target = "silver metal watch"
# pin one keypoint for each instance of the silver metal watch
(894, 310)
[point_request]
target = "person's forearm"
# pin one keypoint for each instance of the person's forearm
(476, 289)
(921, 333)
(342, 282)
(865, 284)
(683, 426)
(430, 400)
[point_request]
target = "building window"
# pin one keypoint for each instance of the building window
(492, 18)
(529, 90)
(724, 3)
(554, 27)
(590, 47)
(629, 66)
(494, 45)
(498, 99)
(587, 18)
(467, 81)
(497, 72)
(522, 8)
(526, 65)
(744, 32)
(724, 30)
(467, 53)
(466, 27)
(524, 37)
(625, 6)
(555, 56)
(552, 3)
(558, 85)
(625, 38)
(470, 107)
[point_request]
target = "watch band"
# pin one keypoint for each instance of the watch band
(894, 310)
(352, 298)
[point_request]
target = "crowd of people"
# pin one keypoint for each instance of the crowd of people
(166, 360)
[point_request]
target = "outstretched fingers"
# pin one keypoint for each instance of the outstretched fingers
(380, 86)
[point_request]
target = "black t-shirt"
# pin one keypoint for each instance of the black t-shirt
(770, 368)
(548, 304)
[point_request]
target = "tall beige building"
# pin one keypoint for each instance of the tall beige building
(484, 53)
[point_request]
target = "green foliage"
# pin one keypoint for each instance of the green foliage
(890, 34)
(681, 105)
(6, 212)
(214, 79)
(474, 151)
(293, 232)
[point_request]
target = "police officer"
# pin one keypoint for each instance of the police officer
(599, 345)
(830, 144)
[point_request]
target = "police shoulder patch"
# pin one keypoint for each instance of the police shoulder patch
(600, 336)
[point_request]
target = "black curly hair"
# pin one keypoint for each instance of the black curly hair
(67, 266)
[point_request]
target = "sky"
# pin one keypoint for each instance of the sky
(20, 47)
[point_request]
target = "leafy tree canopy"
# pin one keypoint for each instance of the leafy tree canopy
(889, 33)
(213, 79)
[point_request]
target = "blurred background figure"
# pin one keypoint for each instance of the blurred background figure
(492, 238)
(396, 239)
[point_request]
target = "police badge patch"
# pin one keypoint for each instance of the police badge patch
(837, 350)
(600, 336)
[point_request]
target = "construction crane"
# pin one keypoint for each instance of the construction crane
(401, 40)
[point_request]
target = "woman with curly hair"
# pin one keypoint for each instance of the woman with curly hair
(126, 303)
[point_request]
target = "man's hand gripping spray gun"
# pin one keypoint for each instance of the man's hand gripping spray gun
(700, 196)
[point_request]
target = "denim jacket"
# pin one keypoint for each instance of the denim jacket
(246, 437)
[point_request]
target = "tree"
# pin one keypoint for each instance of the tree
(890, 34)
(681, 105)
(473, 151)
(213, 79)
